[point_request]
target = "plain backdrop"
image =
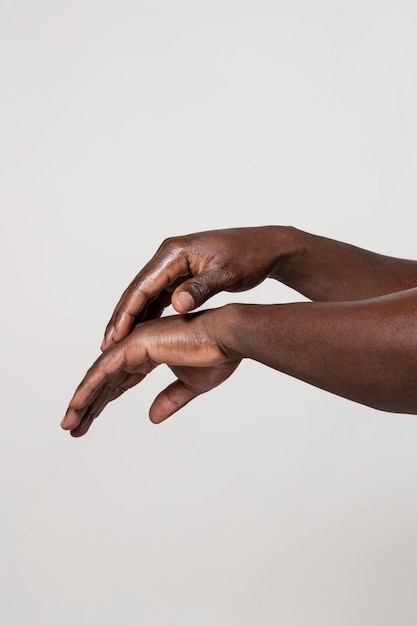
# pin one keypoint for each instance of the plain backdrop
(267, 501)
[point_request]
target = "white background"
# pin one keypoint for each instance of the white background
(266, 501)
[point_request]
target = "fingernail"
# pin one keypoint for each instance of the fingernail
(185, 300)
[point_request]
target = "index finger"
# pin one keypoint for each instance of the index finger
(162, 270)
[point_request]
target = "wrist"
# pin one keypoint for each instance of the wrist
(229, 327)
(289, 252)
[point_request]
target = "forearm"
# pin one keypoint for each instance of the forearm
(365, 351)
(327, 270)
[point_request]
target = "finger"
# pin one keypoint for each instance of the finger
(107, 395)
(164, 269)
(170, 400)
(79, 418)
(130, 381)
(83, 427)
(94, 410)
(154, 308)
(99, 403)
(74, 416)
(108, 365)
(90, 414)
(194, 291)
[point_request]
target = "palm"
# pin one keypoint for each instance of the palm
(190, 383)
(202, 379)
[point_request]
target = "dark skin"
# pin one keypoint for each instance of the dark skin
(357, 337)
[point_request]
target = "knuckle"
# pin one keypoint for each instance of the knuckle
(173, 246)
(228, 274)
(172, 397)
(199, 289)
(170, 243)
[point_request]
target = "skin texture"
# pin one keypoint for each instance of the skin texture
(357, 337)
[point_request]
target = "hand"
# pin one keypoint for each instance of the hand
(187, 271)
(186, 343)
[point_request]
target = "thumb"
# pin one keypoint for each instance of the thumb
(193, 292)
(170, 400)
